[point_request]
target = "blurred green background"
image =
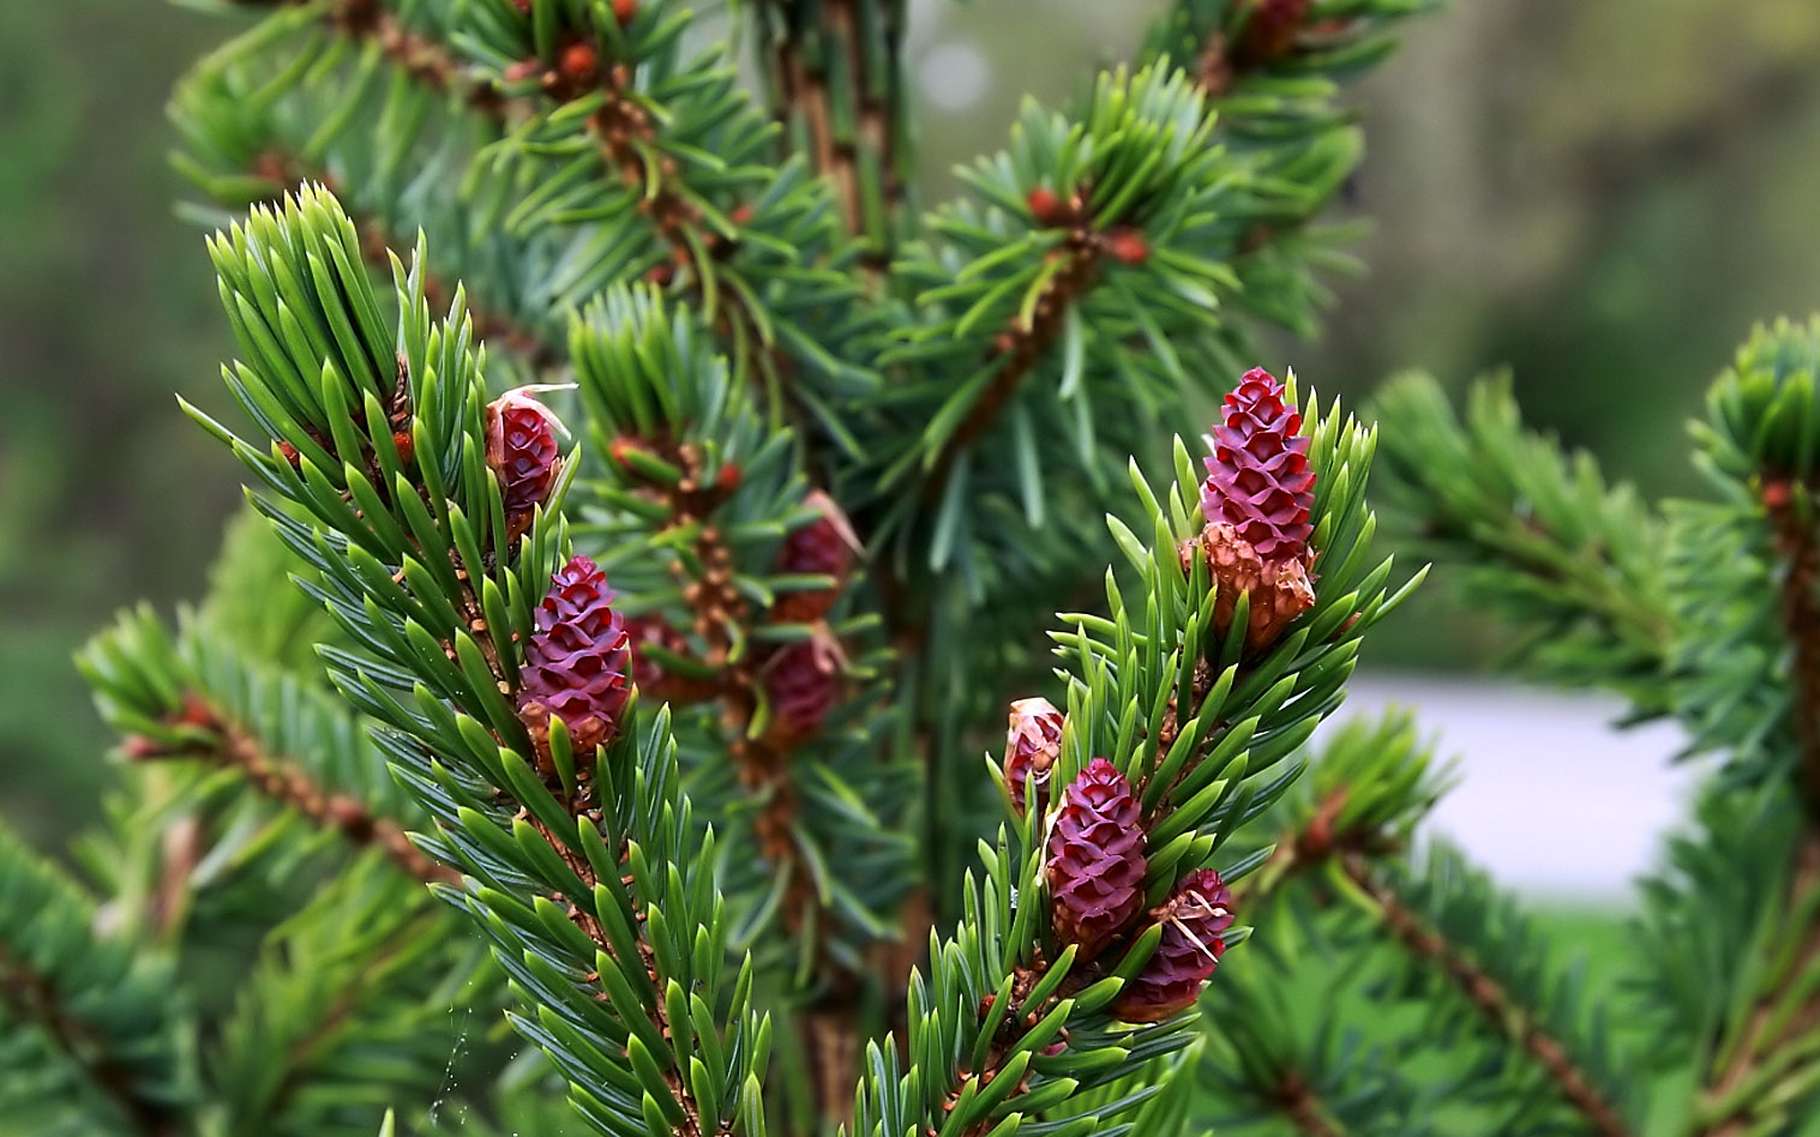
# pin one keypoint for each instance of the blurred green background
(1602, 196)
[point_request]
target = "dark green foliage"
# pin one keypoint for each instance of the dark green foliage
(1537, 998)
(1575, 565)
(92, 1040)
(349, 1009)
(300, 98)
(679, 1041)
(752, 364)
(1267, 1071)
(1157, 657)
(646, 374)
(768, 348)
(1728, 933)
(1733, 560)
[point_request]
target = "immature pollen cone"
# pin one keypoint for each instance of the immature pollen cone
(578, 664)
(1256, 499)
(1032, 742)
(1096, 859)
(824, 547)
(523, 451)
(1193, 919)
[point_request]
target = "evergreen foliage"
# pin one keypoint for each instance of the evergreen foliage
(418, 811)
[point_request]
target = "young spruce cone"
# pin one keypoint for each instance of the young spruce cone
(1096, 859)
(1256, 500)
(523, 450)
(1258, 480)
(1192, 918)
(825, 547)
(803, 683)
(1271, 31)
(578, 664)
(654, 681)
(1032, 742)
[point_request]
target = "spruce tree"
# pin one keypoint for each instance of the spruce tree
(652, 511)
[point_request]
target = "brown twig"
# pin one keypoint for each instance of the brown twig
(34, 997)
(1022, 345)
(804, 92)
(1765, 1031)
(1490, 999)
(1794, 535)
(1299, 1103)
(280, 780)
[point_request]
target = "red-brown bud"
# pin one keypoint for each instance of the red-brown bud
(1127, 246)
(579, 64)
(1045, 206)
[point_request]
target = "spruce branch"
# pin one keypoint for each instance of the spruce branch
(1575, 565)
(1261, 1064)
(1767, 1064)
(250, 139)
(1073, 230)
(188, 698)
(498, 670)
(1729, 935)
(229, 745)
(1371, 784)
(741, 578)
(1523, 1006)
(371, 22)
(1756, 447)
(1033, 1003)
(93, 1036)
(656, 164)
(362, 996)
(1247, 53)
(1752, 657)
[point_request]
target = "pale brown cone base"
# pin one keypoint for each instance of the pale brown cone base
(1280, 591)
(584, 737)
